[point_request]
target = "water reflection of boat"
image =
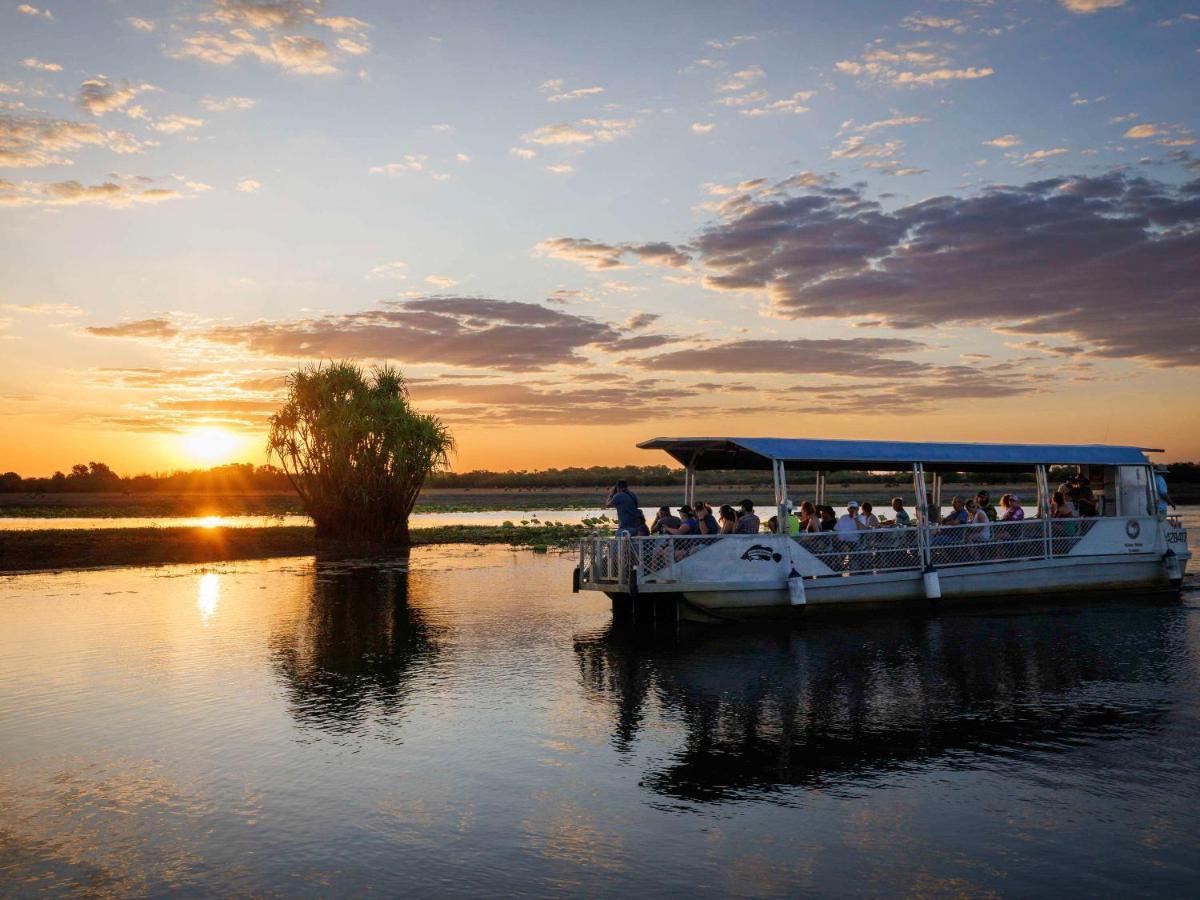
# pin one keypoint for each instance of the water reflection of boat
(761, 712)
(351, 655)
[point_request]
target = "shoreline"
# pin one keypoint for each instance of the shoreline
(56, 550)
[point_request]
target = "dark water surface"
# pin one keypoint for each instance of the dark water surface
(459, 723)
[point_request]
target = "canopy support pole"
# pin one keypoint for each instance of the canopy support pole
(819, 492)
(780, 476)
(922, 508)
(689, 482)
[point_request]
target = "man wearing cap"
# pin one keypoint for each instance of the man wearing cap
(849, 525)
(748, 522)
(1164, 496)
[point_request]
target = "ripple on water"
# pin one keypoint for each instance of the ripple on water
(455, 721)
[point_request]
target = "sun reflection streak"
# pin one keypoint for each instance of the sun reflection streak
(208, 596)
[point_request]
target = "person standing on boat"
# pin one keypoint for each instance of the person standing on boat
(625, 502)
(1164, 496)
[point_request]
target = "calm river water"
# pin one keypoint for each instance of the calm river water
(458, 723)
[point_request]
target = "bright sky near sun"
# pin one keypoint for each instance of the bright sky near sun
(575, 226)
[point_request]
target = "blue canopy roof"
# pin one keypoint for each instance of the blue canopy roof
(757, 453)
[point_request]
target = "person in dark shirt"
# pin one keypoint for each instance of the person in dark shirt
(708, 522)
(958, 513)
(687, 523)
(641, 529)
(625, 502)
(748, 522)
(983, 500)
(663, 520)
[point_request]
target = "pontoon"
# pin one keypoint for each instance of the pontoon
(1127, 546)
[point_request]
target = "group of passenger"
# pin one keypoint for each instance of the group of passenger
(699, 520)
(1073, 499)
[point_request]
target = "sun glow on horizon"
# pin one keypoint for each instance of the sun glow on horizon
(209, 445)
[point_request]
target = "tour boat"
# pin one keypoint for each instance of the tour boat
(1128, 545)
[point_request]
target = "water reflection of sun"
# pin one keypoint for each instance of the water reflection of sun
(208, 596)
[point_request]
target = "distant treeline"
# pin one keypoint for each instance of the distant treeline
(244, 477)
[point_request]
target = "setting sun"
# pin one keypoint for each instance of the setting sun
(209, 446)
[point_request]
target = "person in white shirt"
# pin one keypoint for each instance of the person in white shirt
(849, 525)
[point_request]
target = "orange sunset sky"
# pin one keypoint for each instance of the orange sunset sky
(951, 221)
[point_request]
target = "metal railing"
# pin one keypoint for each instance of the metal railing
(621, 561)
(876, 550)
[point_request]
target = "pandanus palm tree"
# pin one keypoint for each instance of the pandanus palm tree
(355, 450)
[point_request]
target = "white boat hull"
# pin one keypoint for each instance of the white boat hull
(741, 577)
(974, 584)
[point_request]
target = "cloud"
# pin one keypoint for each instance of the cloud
(1005, 140)
(732, 42)
(249, 186)
(30, 63)
(859, 358)
(893, 122)
(412, 162)
(267, 30)
(1040, 156)
(43, 309)
(789, 105)
(742, 79)
(159, 328)
(641, 320)
(522, 152)
(583, 131)
(558, 94)
(343, 24)
(99, 95)
(354, 48)
(1141, 132)
(397, 269)
(560, 168)
(174, 124)
(907, 65)
(215, 105)
(1061, 257)
(857, 147)
(444, 282)
(919, 22)
(599, 256)
(747, 99)
(474, 332)
(294, 53)
(702, 127)
(262, 14)
(28, 142)
(139, 24)
(1087, 7)
(28, 10)
(73, 193)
